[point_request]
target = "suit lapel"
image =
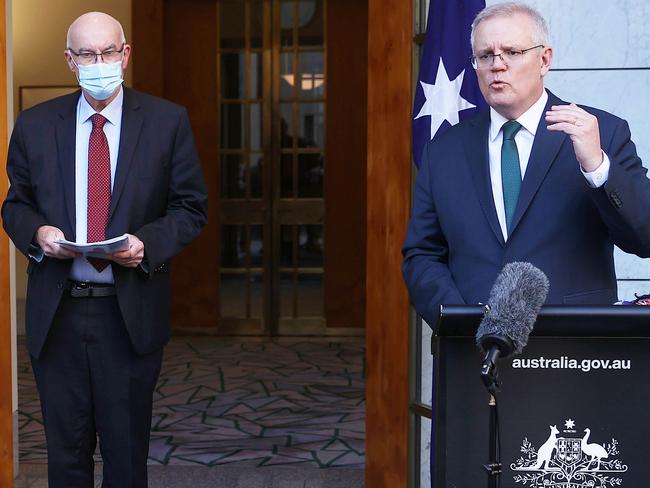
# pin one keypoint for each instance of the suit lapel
(476, 150)
(544, 152)
(65, 130)
(129, 134)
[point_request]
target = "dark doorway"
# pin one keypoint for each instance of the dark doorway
(268, 86)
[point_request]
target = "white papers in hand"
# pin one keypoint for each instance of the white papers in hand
(97, 249)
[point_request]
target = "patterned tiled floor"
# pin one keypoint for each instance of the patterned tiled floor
(230, 476)
(242, 402)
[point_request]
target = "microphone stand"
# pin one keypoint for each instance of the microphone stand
(491, 382)
(493, 466)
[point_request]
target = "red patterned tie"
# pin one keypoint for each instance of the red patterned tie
(99, 186)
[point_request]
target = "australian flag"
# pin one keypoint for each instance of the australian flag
(447, 90)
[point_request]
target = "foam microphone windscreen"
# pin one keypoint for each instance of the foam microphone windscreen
(515, 300)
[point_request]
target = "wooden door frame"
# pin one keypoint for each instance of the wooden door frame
(390, 47)
(6, 336)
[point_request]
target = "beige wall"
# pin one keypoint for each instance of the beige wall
(39, 30)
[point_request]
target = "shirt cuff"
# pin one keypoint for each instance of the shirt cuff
(598, 177)
(35, 253)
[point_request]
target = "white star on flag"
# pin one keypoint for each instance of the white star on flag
(443, 100)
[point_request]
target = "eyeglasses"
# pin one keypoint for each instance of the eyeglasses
(89, 57)
(511, 56)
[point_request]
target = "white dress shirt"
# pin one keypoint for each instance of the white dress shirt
(82, 270)
(524, 139)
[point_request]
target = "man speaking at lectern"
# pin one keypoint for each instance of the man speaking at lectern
(89, 166)
(533, 179)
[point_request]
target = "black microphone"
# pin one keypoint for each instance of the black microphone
(515, 300)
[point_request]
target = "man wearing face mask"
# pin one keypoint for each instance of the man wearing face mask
(86, 167)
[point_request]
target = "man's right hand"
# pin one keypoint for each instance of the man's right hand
(45, 237)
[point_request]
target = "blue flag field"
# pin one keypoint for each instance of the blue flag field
(447, 89)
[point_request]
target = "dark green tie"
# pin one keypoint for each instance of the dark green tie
(510, 170)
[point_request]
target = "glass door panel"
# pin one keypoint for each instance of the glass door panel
(299, 98)
(243, 35)
(272, 162)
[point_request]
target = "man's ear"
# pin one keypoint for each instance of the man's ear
(126, 56)
(68, 59)
(547, 57)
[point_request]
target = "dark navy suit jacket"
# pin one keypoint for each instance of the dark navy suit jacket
(454, 247)
(158, 195)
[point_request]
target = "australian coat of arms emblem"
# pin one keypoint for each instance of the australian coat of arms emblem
(569, 460)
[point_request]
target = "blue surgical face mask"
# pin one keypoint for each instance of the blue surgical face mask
(100, 80)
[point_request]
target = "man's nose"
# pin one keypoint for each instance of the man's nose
(498, 63)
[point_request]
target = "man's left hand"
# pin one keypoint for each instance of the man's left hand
(582, 127)
(132, 256)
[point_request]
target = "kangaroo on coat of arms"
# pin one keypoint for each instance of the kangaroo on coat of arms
(546, 450)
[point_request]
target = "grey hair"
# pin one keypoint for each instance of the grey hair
(539, 32)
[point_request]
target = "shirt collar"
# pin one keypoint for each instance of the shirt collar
(529, 119)
(112, 112)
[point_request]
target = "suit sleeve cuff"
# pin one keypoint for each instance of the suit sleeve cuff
(598, 177)
(143, 268)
